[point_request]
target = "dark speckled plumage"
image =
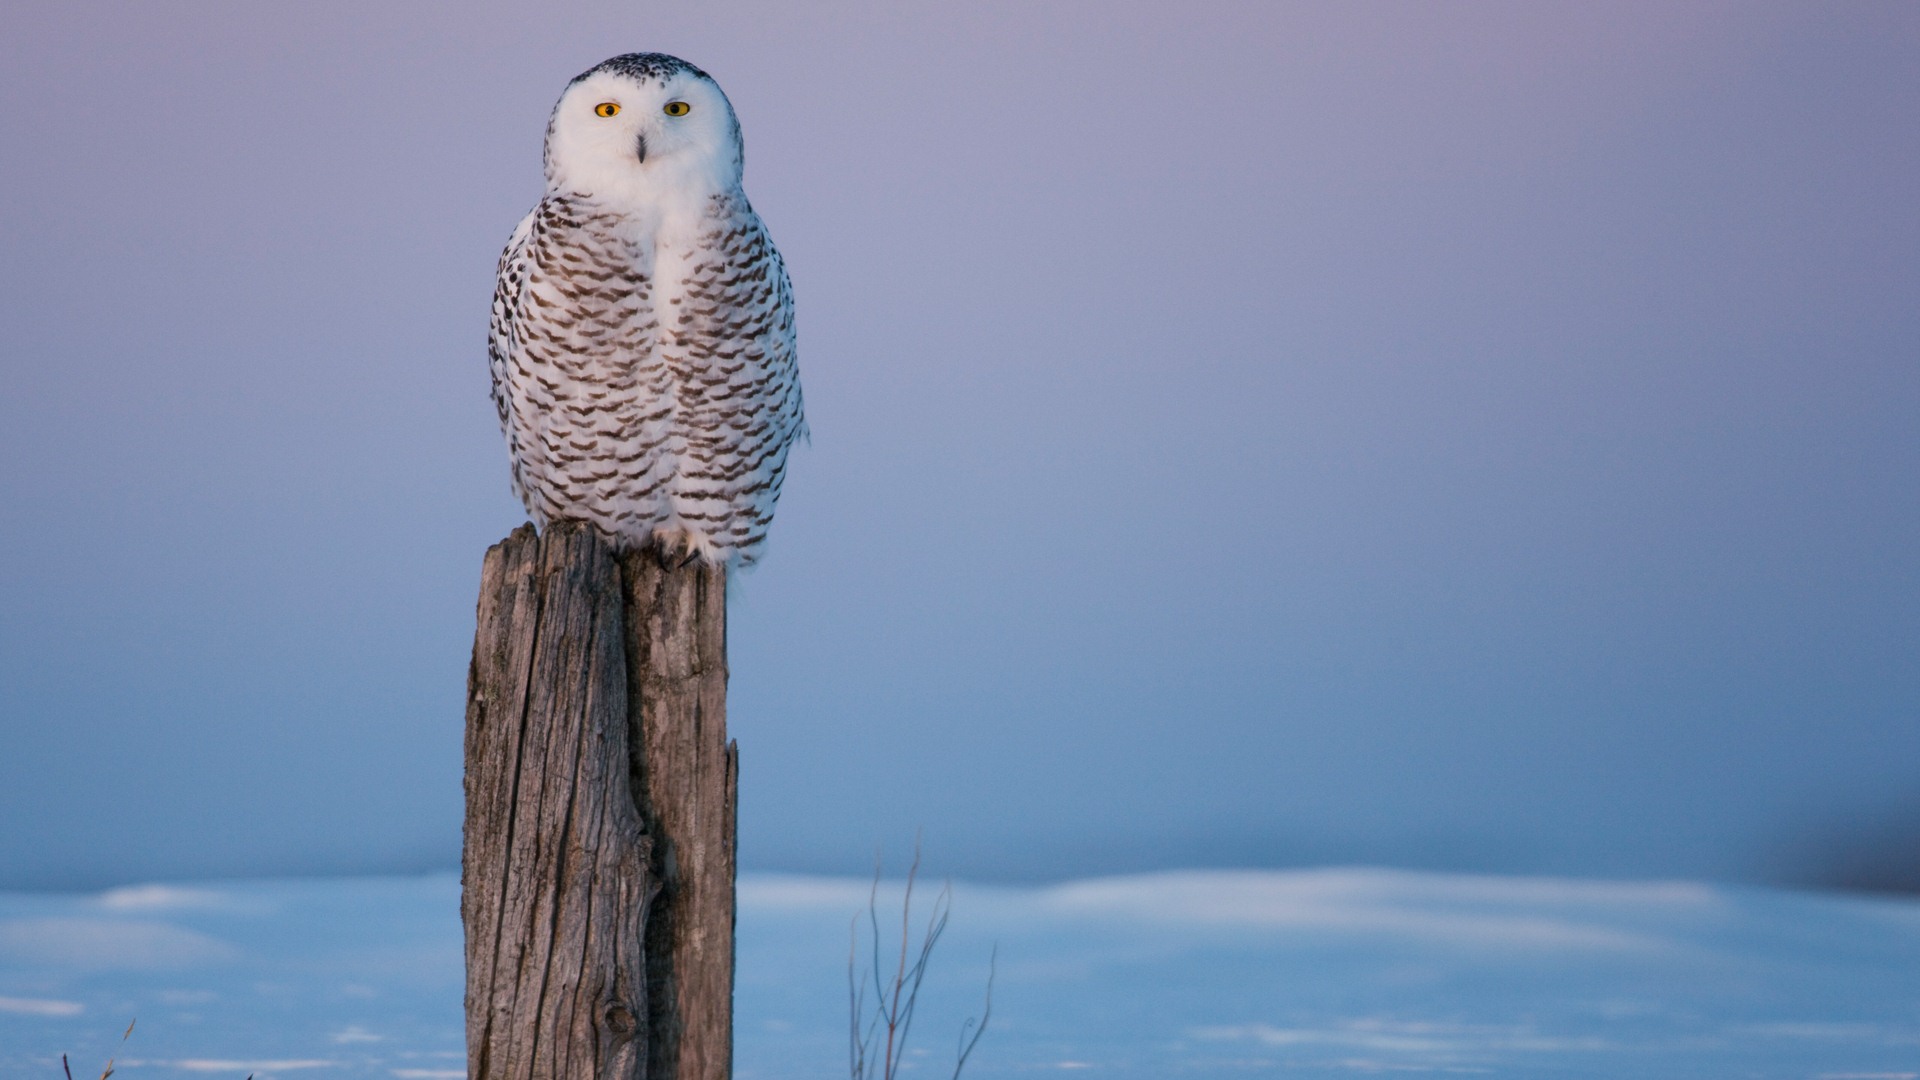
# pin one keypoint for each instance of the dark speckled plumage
(642, 343)
(644, 67)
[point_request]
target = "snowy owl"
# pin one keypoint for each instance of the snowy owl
(642, 338)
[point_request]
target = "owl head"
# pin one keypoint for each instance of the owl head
(641, 124)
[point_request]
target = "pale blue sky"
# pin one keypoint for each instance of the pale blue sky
(1476, 435)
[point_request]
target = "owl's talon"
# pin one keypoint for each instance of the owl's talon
(691, 545)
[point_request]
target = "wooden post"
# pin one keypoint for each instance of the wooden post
(685, 774)
(598, 871)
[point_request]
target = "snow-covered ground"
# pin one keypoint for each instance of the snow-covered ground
(1299, 974)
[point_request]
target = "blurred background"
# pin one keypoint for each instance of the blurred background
(1478, 435)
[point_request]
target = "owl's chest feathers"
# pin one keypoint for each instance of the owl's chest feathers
(622, 386)
(641, 269)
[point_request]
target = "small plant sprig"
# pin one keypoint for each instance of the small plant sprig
(877, 1036)
(108, 1071)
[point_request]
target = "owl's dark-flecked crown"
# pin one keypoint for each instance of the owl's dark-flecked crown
(645, 67)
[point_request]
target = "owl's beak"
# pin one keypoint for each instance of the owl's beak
(640, 148)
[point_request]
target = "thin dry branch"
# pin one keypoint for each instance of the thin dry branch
(108, 1071)
(896, 999)
(978, 1028)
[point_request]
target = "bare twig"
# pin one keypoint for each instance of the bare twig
(108, 1071)
(871, 1056)
(967, 1044)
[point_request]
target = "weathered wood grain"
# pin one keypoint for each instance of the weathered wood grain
(686, 771)
(598, 869)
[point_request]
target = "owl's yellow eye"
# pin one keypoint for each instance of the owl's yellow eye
(607, 108)
(678, 108)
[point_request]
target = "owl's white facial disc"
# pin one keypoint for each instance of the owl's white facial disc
(640, 126)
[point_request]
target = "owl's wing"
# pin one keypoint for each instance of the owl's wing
(739, 330)
(510, 282)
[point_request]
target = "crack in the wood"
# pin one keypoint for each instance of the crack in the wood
(515, 582)
(562, 880)
(559, 893)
